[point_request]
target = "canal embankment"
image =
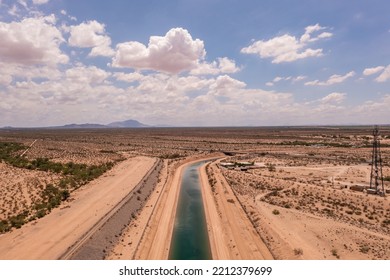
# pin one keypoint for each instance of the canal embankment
(155, 244)
(230, 233)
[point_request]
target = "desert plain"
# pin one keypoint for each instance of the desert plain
(268, 192)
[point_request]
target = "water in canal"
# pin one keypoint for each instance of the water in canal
(190, 239)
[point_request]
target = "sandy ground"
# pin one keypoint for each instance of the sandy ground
(51, 236)
(296, 235)
(231, 233)
(309, 212)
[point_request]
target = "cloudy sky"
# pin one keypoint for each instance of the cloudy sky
(194, 63)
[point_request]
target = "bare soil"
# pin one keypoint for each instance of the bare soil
(297, 200)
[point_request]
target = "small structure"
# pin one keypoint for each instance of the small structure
(227, 164)
(242, 166)
(358, 188)
(244, 163)
(371, 191)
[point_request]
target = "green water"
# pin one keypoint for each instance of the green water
(190, 239)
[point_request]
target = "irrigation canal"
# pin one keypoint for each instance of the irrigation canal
(190, 239)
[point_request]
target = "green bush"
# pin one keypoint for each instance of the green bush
(18, 221)
(4, 226)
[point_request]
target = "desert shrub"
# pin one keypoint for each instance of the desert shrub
(275, 212)
(385, 223)
(364, 249)
(273, 193)
(9, 154)
(65, 194)
(271, 167)
(9, 149)
(18, 221)
(107, 151)
(298, 251)
(4, 226)
(335, 253)
(40, 213)
(230, 200)
(170, 156)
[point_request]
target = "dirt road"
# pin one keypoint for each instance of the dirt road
(232, 233)
(51, 236)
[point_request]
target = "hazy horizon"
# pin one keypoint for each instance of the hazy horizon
(105, 126)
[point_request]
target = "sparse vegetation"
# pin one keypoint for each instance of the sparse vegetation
(73, 176)
(171, 156)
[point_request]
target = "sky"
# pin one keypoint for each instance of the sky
(195, 63)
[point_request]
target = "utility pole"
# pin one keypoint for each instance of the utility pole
(376, 178)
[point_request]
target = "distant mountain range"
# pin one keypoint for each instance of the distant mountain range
(128, 123)
(122, 124)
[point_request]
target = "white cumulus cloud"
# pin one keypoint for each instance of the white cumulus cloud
(299, 78)
(287, 48)
(224, 84)
(173, 53)
(86, 75)
(31, 41)
(372, 71)
(384, 76)
(334, 79)
(5, 80)
(223, 65)
(91, 34)
(334, 97)
(128, 77)
(40, 2)
(289, 78)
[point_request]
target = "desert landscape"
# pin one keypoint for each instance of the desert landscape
(268, 192)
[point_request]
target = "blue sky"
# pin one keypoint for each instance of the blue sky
(194, 63)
